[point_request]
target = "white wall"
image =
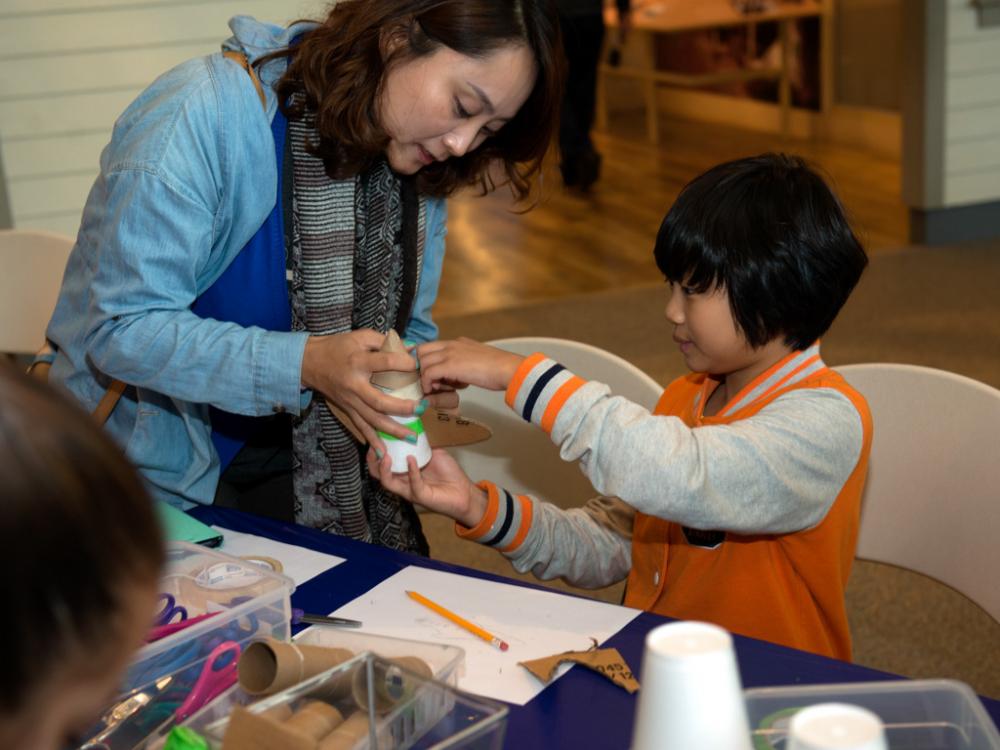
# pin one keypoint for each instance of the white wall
(971, 137)
(69, 69)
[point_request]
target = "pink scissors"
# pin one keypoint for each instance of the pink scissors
(218, 674)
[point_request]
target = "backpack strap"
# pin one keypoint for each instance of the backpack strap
(240, 59)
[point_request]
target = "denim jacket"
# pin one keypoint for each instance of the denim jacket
(187, 179)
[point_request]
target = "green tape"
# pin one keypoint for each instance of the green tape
(182, 738)
(417, 426)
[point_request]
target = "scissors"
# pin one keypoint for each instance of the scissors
(170, 608)
(172, 701)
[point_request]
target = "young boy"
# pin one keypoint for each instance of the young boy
(740, 494)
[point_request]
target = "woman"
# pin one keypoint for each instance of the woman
(83, 550)
(251, 258)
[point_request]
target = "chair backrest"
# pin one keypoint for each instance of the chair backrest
(932, 500)
(33, 263)
(520, 456)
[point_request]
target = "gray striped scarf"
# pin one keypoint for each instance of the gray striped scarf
(356, 247)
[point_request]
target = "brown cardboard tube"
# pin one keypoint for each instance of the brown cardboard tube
(315, 719)
(392, 380)
(389, 685)
(249, 731)
(277, 713)
(270, 666)
(347, 734)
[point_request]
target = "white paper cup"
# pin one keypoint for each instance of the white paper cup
(399, 450)
(690, 697)
(836, 726)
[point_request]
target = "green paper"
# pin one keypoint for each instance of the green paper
(178, 526)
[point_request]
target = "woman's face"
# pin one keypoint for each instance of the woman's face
(445, 104)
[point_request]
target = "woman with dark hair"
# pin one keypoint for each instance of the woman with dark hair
(265, 215)
(82, 552)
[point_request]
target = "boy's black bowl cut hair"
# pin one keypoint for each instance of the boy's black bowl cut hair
(770, 232)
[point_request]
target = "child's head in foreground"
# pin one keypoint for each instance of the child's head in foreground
(765, 240)
(82, 549)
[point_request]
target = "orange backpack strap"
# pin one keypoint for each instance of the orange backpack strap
(240, 59)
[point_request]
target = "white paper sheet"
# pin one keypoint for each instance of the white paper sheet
(535, 623)
(300, 564)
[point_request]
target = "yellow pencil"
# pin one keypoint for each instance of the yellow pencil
(461, 621)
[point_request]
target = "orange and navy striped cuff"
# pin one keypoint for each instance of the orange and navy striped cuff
(506, 522)
(539, 389)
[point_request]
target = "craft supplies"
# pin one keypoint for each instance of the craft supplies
(170, 609)
(298, 617)
(270, 666)
(162, 631)
(459, 620)
(403, 385)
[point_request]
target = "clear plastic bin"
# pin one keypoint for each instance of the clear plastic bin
(250, 603)
(447, 663)
(917, 714)
(395, 708)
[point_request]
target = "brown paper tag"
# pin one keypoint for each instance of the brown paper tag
(605, 661)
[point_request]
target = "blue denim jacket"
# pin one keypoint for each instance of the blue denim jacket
(188, 177)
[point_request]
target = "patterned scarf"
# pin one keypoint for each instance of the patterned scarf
(356, 247)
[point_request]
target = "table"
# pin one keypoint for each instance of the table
(650, 19)
(562, 715)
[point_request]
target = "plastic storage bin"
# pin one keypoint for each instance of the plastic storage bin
(392, 707)
(249, 602)
(917, 714)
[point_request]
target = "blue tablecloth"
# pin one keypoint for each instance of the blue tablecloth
(581, 709)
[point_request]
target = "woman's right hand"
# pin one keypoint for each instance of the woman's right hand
(441, 486)
(340, 366)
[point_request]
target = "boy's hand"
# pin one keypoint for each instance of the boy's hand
(449, 364)
(442, 486)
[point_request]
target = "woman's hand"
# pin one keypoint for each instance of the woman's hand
(340, 367)
(450, 364)
(442, 486)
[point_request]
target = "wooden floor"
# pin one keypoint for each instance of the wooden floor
(572, 243)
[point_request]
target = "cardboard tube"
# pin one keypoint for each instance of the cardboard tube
(347, 734)
(390, 685)
(393, 380)
(315, 719)
(277, 713)
(270, 666)
(248, 731)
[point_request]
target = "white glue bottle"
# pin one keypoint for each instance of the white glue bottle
(403, 385)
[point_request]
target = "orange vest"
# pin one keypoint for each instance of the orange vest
(785, 588)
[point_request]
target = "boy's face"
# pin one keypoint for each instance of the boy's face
(707, 335)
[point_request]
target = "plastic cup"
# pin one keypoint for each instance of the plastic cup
(690, 697)
(836, 726)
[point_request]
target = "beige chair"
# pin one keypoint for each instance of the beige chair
(932, 501)
(520, 456)
(33, 263)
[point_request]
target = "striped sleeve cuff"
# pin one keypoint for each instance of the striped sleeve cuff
(540, 388)
(506, 522)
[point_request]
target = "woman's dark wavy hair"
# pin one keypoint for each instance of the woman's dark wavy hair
(77, 530)
(339, 68)
(768, 230)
